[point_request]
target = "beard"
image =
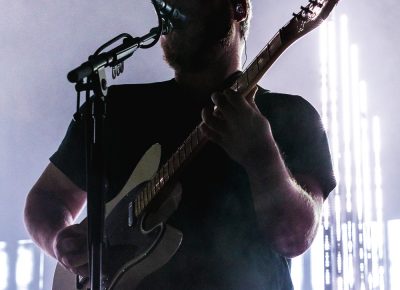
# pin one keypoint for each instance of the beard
(203, 40)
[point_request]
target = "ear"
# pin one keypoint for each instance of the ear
(240, 10)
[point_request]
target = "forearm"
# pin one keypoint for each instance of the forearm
(45, 215)
(287, 214)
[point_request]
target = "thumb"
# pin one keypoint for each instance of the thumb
(251, 95)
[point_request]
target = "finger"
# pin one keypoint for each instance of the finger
(82, 271)
(250, 98)
(72, 245)
(210, 134)
(215, 123)
(235, 99)
(76, 230)
(75, 260)
(221, 103)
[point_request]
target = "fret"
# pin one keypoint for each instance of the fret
(275, 45)
(194, 139)
(147, 191)
(136, 207)
(252, 73)
(143, 200)
(263, 59)
(140, 203)
(176, 161)
(151, 188)
(258, 61)
(268, 50)
(199, 134)
(171, 169)
(166, 172)
(181, 155)
(188, 147)
(241, 84)
(161, 176)
(156, 182)
(146, 200)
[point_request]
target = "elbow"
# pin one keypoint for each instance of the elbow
(290, 247)
(293, 238)
(28, 212)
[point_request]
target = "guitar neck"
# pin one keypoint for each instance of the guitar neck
(261, 64)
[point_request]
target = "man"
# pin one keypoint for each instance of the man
(251, 199)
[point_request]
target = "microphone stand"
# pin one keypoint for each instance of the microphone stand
(94, 114)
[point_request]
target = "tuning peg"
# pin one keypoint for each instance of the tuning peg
(316, 3)
(305, 9)
(299, 16)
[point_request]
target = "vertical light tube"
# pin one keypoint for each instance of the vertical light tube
(347, 127)
(317, 260)
(4, 271)
(41, 271)
(327, 233)
(335, 148)
(347, 275)
(380, 231)
(393, 227)
(297, 272)
(354, 66)
(324, 74)
(24, 266)
(366, 185)
(346, 109)
(332, 101)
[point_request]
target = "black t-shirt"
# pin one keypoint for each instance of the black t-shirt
(222, 247)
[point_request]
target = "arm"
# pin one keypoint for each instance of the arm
(51, 207)
(288, 208)
(288, 213)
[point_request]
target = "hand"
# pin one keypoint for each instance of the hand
(238, 126)
(70, 248)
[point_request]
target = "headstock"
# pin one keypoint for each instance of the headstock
(308, 18)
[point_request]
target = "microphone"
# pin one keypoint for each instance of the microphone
(171, 13)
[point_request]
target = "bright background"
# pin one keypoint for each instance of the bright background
(40, 41)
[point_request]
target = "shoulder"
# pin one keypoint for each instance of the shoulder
(130, 96)
(268, 100)
(286, 108)
(129, 89)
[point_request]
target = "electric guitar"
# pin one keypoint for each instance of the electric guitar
(137, 237)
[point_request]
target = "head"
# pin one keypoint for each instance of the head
(216, 30)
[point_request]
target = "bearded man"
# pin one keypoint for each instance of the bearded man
(252, 197)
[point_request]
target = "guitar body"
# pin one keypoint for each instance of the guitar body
(134, 248)
(128, 264)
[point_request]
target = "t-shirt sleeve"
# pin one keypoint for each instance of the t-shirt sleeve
(302, 140)
(70, 156)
